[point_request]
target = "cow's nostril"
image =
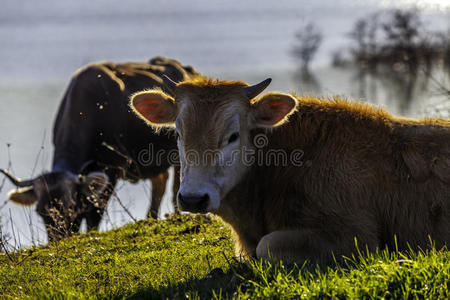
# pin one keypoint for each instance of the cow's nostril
(205, 197)
(193, 203)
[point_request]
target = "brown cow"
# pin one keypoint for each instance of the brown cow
(363, 173)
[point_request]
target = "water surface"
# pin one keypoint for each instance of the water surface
(44, 42)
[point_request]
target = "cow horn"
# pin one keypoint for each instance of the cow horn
(253, 90)
(16, 181)
(169, 83)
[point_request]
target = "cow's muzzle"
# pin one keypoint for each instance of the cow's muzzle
(193, 203)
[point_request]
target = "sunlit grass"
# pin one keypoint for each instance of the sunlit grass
(192, 257)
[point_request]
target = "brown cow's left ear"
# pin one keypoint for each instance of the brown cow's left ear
(272, 109)
(155, 107)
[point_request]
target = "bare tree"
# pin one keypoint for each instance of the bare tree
(309, 39)
(365, 35)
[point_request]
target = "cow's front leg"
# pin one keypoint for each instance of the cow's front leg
(158, 189)
(175, 188)
(298, 246)
(97, 205)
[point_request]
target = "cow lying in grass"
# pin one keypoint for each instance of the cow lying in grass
(99, 140)
(363, 174)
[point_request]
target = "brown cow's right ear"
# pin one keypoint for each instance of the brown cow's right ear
(155, 107)
(24, 196)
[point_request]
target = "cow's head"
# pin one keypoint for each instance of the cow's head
(213, 121)
(58, 197)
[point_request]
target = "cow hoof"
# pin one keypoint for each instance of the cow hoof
(152, 215)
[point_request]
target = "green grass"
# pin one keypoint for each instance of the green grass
(172, 258)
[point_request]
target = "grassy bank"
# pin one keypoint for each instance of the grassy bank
(180, 257)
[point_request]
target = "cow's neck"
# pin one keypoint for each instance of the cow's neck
(244, 216)
(63, 166)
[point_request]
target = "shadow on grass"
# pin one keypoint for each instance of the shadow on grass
(238, 279)
(216, 283)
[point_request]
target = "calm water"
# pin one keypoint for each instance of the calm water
(43, 43)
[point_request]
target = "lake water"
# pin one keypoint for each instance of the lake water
(44, 42)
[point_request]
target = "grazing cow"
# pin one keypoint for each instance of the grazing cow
(98, 140)
(300, 178)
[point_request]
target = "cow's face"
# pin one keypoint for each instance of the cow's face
(213, 121)
(58, 196)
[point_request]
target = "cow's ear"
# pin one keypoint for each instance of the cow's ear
(155, 107)
(23, 196)
(94, 183)
(272, 109)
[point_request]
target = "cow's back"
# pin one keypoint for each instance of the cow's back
(95, 113)
(356, 160)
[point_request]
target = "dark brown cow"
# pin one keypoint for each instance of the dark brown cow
(300, 178)
(98, 140)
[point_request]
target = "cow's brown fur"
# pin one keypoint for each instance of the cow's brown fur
(365, 174)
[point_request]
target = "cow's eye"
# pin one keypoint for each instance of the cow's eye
(233, 137)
